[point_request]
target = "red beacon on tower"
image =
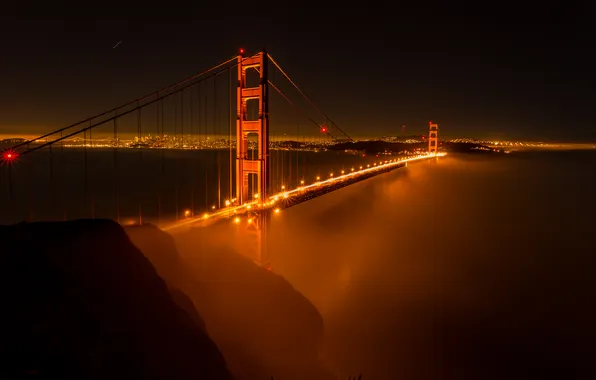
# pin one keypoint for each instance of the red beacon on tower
(323, 129)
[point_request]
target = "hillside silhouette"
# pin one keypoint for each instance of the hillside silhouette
(79, 300)
(263, 326)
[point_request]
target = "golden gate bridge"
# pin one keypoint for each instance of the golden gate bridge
(190, 154)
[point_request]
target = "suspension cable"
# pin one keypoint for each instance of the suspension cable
(129, 103)
(298, 108)
(64, 137)
(306, 97)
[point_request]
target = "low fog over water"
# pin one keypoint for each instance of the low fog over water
(469, 267)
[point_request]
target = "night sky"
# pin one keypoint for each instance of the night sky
(490, 71)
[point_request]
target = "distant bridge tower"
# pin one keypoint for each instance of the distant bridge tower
(433, 138)
(256, 170)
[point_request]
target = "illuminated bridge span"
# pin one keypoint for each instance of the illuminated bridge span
(193, 153)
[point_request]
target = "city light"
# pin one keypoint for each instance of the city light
(187, 213)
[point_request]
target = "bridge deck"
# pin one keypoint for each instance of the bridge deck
(296, 196)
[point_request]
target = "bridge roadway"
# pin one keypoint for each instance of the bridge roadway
(293, 197)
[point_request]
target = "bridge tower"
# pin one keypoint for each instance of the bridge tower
(433, 138)
(253, 172)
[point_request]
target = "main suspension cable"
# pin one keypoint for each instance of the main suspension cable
(155, 93)
(306, 97)
(64, 137)
(298, 108)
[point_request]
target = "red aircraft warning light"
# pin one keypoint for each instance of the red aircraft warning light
(9, 156)
(323, 129)
(241, 51)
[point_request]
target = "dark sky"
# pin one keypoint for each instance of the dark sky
(489, 71)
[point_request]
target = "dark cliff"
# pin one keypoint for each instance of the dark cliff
(79, 300)
(263, 326)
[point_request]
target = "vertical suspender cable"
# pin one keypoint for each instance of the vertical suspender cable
(177, 168)
(182, 116)
(163, 156)
(297, 155)
(204, 119)
(91, 188)
(28, 185)
(161, 153)
(200, 99)
(230, 133)
(140, 135)
(52, 183)
(215, 120)
(183, 153)
(11, 202)
(193, 157)
(86, 175)
(116, 174)
(61, 175)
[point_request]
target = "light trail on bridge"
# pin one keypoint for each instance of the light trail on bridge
(237, 211)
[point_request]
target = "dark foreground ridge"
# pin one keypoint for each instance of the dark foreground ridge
(80, 301)
(263, 326)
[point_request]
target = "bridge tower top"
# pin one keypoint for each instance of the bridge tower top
(433, 138)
